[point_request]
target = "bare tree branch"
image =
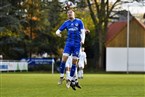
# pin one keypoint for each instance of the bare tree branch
(91, 12)
(113, 6)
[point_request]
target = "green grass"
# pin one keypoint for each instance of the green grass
(93, 85)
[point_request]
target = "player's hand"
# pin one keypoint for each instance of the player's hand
(59, 35)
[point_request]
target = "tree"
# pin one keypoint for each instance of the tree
(9, 29)
(56, 18)
(43, 18)
(25, 24)
(100, 12)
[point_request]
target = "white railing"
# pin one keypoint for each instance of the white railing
(13, 65)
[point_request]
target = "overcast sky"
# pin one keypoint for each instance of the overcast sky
(134, 7)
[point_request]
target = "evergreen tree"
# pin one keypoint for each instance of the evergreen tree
(9, 30)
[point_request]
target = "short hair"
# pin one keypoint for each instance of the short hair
(70, 10)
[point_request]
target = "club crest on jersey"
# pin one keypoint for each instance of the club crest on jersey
(76, 24)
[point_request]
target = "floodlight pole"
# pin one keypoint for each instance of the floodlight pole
(128, 31)
(53, 66)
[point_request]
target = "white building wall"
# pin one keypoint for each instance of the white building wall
(121, 59)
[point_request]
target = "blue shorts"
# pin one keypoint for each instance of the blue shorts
(72, 48)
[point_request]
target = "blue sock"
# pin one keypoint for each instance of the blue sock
(62, 67)
(72, 71)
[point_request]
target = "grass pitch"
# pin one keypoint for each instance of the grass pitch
(93, 85)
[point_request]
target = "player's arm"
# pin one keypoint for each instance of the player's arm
(83, 35)
(62, 27)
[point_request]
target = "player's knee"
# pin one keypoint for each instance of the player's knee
(64, 58)
(74, 62)
(67, 69)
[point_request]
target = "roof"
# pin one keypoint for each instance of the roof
(114, 29)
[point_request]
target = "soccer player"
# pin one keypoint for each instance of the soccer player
(81, 63)
(75, 38)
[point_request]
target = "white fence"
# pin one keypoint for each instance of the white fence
(123, 59)
(11, 65)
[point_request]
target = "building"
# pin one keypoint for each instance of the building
(119, 56)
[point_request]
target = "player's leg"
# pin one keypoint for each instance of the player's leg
(68, 67)
(81, 72)
(71, 82)
(62, 69)
(81, 68)
(73, 68)
(76, 74)
(76, 79)
(76, 50)
(68, 77)
(66, 53)
(72, 72)
(67, 73)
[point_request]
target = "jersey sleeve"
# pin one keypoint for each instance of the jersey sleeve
(81, 25)
(63, 26)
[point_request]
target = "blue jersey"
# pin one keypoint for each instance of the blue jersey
(73, 28)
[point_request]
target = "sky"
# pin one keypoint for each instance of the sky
(134, 7)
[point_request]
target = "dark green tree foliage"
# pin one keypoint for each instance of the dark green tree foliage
(46, 40)
(9, 30)
(54, 14)
(8, 17)
(28, 26)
